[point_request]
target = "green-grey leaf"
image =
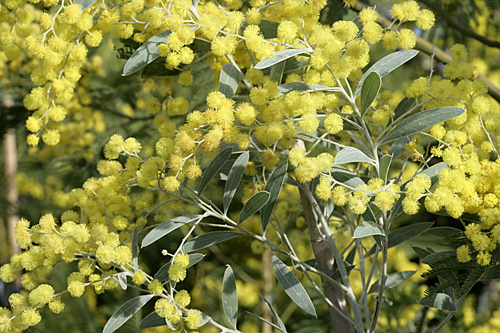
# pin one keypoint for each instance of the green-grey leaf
(229, 80)
(145, 54)
(369, 91)
(383, 170)
(387, 64)
(362, 146)
(273, 186)
(280, 56)
(269, 29)
(152, 320)
(404, 106)
(162, 273)
(367, 228)
(84, 3)
(438, 256)
(214, 167)
(125, 312)
(397, 147)
(420, 121)
(135, 241)
(277, 71)
(200, 45)
(350, 155)
(234, 178)
(292, 286)
(209, 239)
(345, 176)
(230, 297)
(405, 233)
(439, 301)
(393, 280)
(253, 205)
(442, 231)
(292, 86)
(166, 228)
(275, 314)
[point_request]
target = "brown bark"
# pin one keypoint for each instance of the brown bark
(326, 264)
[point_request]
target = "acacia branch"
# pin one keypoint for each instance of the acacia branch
(429, 48)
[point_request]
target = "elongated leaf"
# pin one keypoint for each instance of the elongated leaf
(292, 86)
(229, 80)
(84, 3)
(280, 56)
(167, 227)
(422, 253)
(230, 297)
(214, 167)
(397, 147)
(439, 301)
(292, 286)
(234, 178)
(442, 231)
(277, 71)
(275, 314)
(125, 312)
(385, 163)
(152, 320)
(360, 144)
(369, 91)
(422, 120)
(405, 233)
(367, 228)
(438, 256)
(162, 273)
(273, 186)
(200, 45)
(145, 54)
(253, 205)
(122, 280)
(345, 176)
(404, 106)
(387, 64)
(393, 280)
(269, 29)
(350, 155)
(209, 239)
(135, 245)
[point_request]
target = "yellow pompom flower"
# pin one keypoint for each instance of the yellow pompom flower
(155, 287)
(372, 32)
(391, 40)
(51, 137)
(345, 30)
(41, 295)
(418, 87)
(287, 31)
(56, 305)
(425, 19)
(463, 253)
(407, 39)
(139, 277)
(177, 272)
(324, 190)
(309, 123)
(481, 105)
(483, 258)
(30, 317)
(170, 183)
(193, 319)
(368, 15)
(166, 309)
(72, 13)
(182, 298)
(182, 259)
(222, 45)
(76, 288)
(333, 123)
